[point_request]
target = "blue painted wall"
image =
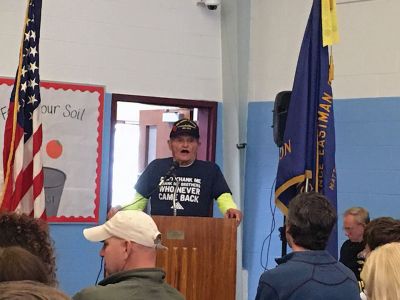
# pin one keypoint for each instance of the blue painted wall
(367, 156)
(368, 170)
(261, 162)
(78, 260)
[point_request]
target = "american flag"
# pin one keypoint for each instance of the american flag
(22, 164)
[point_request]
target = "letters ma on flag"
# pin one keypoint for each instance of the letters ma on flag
(22, 166)
(309, 139)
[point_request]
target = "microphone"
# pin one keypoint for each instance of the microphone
(170, 172)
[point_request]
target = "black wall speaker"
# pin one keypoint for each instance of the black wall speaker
(280, 112)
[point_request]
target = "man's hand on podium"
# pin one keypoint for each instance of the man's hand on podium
(113, 211)
(233, 213)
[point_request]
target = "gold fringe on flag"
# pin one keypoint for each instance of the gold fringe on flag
(330, 32)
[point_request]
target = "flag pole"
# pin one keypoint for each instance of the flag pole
(306, 188)
(282, 235)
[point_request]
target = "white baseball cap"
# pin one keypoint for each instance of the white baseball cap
(130, 225)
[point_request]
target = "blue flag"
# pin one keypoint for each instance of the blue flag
(308, 152)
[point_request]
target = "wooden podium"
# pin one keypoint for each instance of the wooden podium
(201, 258)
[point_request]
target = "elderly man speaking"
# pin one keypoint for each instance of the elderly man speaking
(182, 181)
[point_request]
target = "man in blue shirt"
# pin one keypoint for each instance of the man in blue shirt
(183, 181)
(309, 272)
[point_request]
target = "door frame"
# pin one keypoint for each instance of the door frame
(208, 117)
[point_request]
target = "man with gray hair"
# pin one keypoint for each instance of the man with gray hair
(355, 219)
(130, 241)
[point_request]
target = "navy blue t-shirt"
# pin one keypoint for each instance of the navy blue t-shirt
(199, 184)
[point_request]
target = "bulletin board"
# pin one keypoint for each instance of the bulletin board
(72, 121)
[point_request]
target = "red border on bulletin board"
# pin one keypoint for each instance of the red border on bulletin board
(82, 88)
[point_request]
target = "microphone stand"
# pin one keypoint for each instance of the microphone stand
(176, 186)
(282, 235)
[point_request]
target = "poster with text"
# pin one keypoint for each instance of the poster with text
(72, 119)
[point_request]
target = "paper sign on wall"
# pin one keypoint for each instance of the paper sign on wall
(72, 118)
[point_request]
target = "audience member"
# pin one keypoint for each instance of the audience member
(29, 290)
(378, 232)
(309, 272)
(381, 231)
(16, 263)
(30, 234)
(24, 276)
(352, 253)
(130, 241)
(381, 273)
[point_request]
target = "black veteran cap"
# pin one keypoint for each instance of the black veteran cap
(185, 127)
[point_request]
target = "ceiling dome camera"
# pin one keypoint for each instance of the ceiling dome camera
(210, 4)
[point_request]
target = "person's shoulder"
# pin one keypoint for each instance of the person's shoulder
(268, 277)
(295, 268)
(204, 162)
(352, 247)
(207, 164)
(284, 279)
(161, 161)
(346, 243)
(159, 164)
(30, 289)
(173, 293)
(93, 292)
(103, 292)
(285, 272)
(345, 270)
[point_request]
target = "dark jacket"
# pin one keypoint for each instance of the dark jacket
(138, 284)
(308, 275)
(349, 256)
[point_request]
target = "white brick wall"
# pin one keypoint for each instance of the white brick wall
(366, 59)
(158, 48)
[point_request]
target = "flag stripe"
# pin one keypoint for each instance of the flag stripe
(39, 207)
(26, 204)
(38, 185)
(22, 164)
(17, 162)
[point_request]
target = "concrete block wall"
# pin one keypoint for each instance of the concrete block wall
(157, 48)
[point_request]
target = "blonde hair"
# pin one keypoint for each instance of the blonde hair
(381, 273)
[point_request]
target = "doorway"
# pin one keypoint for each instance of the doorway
(140, 129)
